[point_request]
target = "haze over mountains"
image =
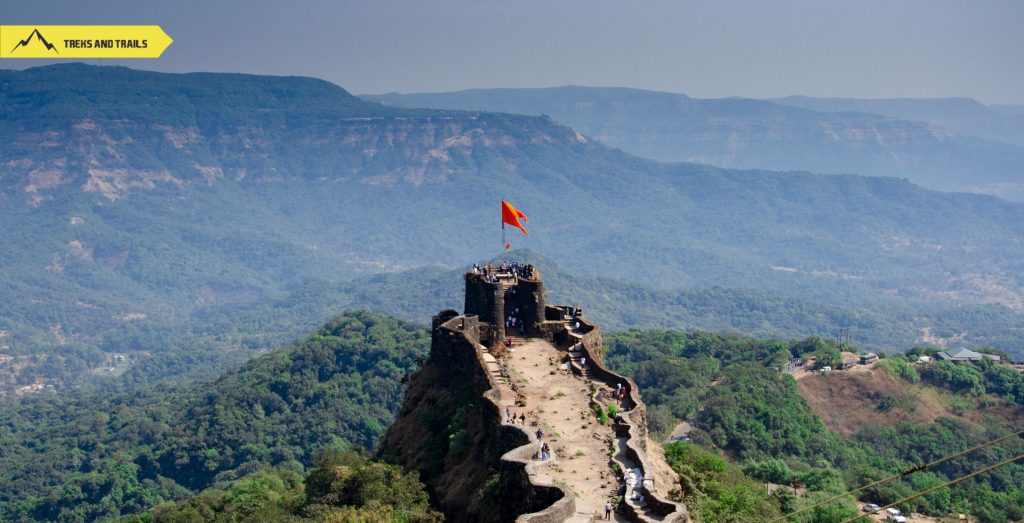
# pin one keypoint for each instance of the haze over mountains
(951, 144)
(136, 201)
(967, 116)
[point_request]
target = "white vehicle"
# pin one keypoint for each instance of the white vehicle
(871, 508)
(892, 514)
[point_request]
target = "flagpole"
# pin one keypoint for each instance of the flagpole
(502, 218)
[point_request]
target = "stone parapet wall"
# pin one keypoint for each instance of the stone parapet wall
(587, 338)
(545, 503)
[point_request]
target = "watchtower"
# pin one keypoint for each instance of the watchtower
(507, 299)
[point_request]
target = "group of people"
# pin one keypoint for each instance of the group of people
(545, 449)
(518, 271)
(513, 321)
(486, 272)
(523, 271)
(510, 417)
(620, 391)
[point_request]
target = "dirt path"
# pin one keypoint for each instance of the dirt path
(681, 432)
(558, 403)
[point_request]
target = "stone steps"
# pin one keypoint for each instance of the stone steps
(494, 368)
(577, 357)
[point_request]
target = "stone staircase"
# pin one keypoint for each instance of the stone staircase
(494, 368)
(584, 367)
(621, 457)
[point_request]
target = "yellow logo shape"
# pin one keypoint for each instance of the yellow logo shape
(82, 41)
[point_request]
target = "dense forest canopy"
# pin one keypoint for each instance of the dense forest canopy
(89, 456)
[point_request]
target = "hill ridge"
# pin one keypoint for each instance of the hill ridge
(181, 197)
(938, 148)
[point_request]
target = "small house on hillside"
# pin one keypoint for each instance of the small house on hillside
(963, 354)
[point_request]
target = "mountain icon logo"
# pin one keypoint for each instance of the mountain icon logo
(39, 36)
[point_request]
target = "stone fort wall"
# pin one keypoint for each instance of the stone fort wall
(488, 300)
(456, 374)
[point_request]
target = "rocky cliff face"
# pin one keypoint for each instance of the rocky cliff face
(180, 130)
(983, 154)
(451, 431)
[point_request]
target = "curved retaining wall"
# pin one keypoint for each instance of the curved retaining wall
(516, 465)
(588, 340)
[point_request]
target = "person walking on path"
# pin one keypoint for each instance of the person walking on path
(608, 510)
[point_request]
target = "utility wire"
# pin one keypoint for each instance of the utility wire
(905, 472)
(937, 487)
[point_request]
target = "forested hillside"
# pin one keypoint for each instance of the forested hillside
(88, 456)
(84, 455)
(731, 390)
(617, 304)
(137, 203)
(341, 487)
(217, 337)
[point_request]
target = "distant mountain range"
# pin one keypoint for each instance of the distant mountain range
(966, 116)
(948, 144)
(133, 201)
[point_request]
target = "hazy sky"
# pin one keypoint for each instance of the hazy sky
(887, 48)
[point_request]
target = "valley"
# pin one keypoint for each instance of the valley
(233, 297)
(165, 220)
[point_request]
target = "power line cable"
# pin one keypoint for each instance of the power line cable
(905, 472)
(937, 487)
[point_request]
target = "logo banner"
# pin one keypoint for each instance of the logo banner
(82, 41)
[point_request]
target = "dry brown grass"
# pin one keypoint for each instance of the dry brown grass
(846, 401)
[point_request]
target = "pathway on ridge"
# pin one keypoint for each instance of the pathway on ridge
(558, 403)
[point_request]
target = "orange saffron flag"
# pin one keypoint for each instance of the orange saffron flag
(511, 215)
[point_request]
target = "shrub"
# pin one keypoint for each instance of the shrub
(613, 410)
(898, 367)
